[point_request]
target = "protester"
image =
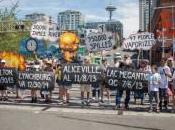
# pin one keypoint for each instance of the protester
(3, 88)
(153, 87)
(35, 68)
(85, 88)
(116, 62)
(164, 72)
(173, 90)
(103, 86)
(127, 65)
(170, 81)
(58, 80)
(143, 67)
(48, 94)
(65, 87)
(95, 92)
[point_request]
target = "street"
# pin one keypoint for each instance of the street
(46, 118)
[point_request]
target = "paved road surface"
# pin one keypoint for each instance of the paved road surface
(43, 118)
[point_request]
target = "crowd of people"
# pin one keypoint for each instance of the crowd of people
(161, 83)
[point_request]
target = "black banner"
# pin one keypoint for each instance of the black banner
(8, 76)
(82, 74)
(37, 80)
(126, 79)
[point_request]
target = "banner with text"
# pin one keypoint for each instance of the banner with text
(83, 74)
(8, 76)
(140, 41)
(37, 80)
(125, 79)
(46, 31)
(99, 42)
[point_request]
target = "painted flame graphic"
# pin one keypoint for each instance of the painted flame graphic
(13, 60)
(68, 43)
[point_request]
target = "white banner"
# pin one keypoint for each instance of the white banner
(141, 41)
(46, 31)
(99, 42)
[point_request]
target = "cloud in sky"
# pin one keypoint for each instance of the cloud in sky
(93, 10)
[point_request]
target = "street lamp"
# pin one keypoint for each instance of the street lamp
(163, 40)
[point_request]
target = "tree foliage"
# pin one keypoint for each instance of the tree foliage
(9, 41)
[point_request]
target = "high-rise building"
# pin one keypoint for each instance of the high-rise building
(36, 17)
(70, 20)
(146, 10)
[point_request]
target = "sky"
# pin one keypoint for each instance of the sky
(94, 10)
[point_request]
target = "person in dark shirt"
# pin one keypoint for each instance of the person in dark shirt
(3, 88)
(126, 64)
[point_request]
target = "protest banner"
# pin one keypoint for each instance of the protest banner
(39, 30)
(37, 80)
(8, 76)
(82, 74)
(140, 41)
(53, 32)
(99, 42)
(46, 31)
(126, 79)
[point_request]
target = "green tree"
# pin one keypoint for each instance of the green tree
(10, 35)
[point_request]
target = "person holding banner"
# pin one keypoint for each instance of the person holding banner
(48, 94)
(103, 87)
(125, 64)
(85, 88)
(165, 73)
(63, 87)
(58, 80)
(36, 67)
(3, 88)
(143, 67)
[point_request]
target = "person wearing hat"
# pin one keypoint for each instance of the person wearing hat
(35, 68)
(3, 88)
